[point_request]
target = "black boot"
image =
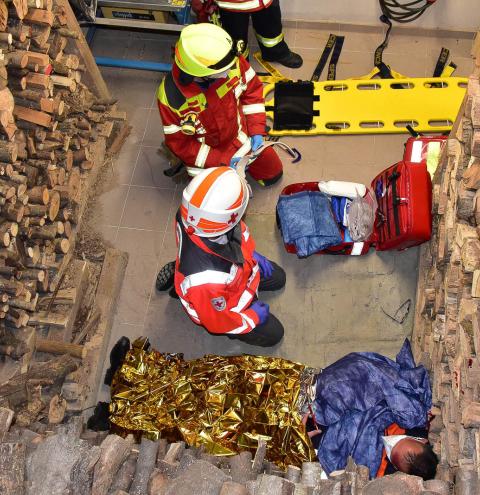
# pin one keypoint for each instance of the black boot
(99, 420)
(117, 356)
(166, 277)
(173, 293)
(291, 60)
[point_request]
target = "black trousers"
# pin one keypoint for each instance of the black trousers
(267, 24)
(271, 332)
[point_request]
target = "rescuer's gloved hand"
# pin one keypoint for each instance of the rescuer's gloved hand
(256, 142)
(266, 268)
(262, 309)
(234, 162)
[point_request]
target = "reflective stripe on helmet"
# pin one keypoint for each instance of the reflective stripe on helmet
(212, 227)
(238, 202)
(204, 187)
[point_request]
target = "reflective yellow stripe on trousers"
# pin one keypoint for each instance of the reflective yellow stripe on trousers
(269, 42)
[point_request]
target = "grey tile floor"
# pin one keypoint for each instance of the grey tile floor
(331, 305)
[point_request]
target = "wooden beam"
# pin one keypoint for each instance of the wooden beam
(93, 77)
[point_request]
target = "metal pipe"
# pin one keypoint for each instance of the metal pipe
(133, 64)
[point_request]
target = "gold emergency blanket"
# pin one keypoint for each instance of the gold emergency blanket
(225, 404)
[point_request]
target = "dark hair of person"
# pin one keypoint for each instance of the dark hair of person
(423, 464)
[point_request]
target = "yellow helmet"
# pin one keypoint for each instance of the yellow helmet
(204, 49)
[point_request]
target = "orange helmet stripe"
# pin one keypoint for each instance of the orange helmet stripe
(209, 224)
(238, 202)
(204, 187)
(178, 56)
(183, 212)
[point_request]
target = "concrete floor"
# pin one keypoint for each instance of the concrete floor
(331, 305)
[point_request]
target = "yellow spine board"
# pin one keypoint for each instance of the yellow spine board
(377, 107)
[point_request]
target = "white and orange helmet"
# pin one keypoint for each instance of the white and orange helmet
(214, 202)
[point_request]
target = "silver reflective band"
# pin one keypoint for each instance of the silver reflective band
(202, 155)
(171, 129)
(253, 108)
(252, 4)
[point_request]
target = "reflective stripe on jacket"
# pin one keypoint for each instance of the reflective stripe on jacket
(215, 292)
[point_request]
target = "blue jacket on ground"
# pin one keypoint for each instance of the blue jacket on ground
(307, 221)
(358, 396)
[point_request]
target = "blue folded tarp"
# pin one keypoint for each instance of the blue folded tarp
(360, 395)
(306, 221)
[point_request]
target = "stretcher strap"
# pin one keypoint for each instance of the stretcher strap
(323, 58)
(385, 72)
(332, 68)
(441, 62)
(271, 70)
(336, 43)
(449, 70)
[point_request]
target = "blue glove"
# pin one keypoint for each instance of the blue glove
(262, 309)
(234, 161)
(256, 141)
(266, 268)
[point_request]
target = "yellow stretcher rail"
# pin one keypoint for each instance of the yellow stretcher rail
(361, 106)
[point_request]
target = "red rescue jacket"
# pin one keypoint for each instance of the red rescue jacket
(214, 291)
(226, 115)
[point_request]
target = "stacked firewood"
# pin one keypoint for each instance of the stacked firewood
(69, 460)
(447, 326)
(49, 126)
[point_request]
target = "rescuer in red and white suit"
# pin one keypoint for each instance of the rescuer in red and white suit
(266, 18)
(212, 105)
(218, 273)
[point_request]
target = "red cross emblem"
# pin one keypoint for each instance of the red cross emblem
(192, 219)
(233, 217)
(219, 303)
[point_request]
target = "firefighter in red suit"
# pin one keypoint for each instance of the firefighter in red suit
(266, 19)
(218, 273)
(212, 106)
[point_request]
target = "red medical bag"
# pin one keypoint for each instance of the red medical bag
(404, 213)
(417, 148)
